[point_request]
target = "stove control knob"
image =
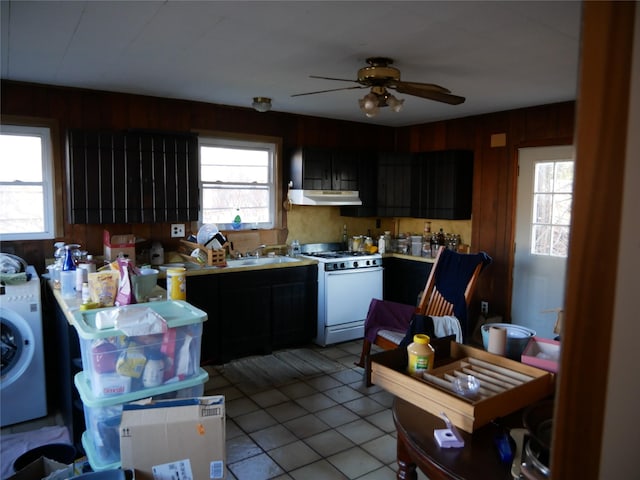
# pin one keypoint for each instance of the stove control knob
(355, 265)
(342, 265)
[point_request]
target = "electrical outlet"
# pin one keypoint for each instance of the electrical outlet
(484, 307)
(177, 230)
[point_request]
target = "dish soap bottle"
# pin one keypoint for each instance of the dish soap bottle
(421, 355)
(237, 221)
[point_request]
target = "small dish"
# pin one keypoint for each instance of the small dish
(466, 385)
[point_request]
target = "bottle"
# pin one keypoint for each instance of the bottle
(237, 221)
(421, 355)
(91, 268)
(86, 295)
(382, 247)
(295, 248)
(68, 262)
(176, 283)
(68, 274)
(442, 238)
(345, 237)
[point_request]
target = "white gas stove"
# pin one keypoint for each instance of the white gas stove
(347, 282)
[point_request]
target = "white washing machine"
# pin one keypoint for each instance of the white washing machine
(23, 393)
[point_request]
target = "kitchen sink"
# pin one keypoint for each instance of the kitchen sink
(246, 262)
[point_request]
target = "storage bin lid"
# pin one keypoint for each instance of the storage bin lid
(90, 400)
(177, 313)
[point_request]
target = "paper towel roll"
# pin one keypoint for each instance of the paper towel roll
(497, 340)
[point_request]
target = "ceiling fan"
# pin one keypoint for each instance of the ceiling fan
(381, 76)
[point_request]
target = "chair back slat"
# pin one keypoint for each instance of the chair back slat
(432, 302)
(438, 306)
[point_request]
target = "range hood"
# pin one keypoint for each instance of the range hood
(324, 197)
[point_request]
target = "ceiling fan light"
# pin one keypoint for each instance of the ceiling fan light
(370, 101)
(394, 103)
(261, 104)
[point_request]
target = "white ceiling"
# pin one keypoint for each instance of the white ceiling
(499, 55)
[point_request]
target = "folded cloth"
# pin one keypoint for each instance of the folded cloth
(387, 315)
(435, 327)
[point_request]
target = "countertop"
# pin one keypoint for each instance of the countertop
(409, 257)
(70, 305)
(252, 264)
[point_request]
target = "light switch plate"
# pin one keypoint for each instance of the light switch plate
(177, 230)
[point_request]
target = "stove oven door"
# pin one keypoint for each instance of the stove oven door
(348, 294)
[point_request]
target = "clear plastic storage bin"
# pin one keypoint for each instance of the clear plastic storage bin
(133, 357)
(102, 415)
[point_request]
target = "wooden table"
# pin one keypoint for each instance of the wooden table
(417, 447)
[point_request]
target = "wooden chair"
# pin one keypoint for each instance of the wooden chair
(432, 303)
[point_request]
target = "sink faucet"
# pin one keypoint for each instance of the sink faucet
(256, 251)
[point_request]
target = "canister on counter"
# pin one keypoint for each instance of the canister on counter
(177, 283)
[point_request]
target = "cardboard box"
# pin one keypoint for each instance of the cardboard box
(161, 439)
(43, 468)
(542, 353)
(511, 385)
(114, 245)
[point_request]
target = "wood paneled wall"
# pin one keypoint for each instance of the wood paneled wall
(494, 167)
(495, 179)
(76, 108)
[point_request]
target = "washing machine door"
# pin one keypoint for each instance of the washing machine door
(17, 346)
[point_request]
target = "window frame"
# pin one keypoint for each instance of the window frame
(52, 196)
(234, 140)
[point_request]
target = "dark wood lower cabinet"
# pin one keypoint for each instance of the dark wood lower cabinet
(255, 312)
(404, 279)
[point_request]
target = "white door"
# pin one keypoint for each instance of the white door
(543, 218)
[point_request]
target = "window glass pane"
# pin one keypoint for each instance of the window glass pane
(21, 210)
(541, 240)
(234, 165)
(543, 177)
(559, 241)
(218, 204)
(542, 208)
(20, 158)
(564, 177)
(561, 209)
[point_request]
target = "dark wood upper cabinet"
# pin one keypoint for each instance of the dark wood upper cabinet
(394, 184)
(442, 185)
(132, 177)
(323, 169)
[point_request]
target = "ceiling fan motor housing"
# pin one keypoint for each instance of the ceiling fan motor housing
(379, 72)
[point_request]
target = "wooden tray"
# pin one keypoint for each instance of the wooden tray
(214, 257)
(505, 385)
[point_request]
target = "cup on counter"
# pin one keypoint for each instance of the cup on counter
(68, 283)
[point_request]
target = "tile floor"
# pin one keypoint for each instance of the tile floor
(327, 426)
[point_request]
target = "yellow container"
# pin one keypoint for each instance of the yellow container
(420, 354)
(177, 283)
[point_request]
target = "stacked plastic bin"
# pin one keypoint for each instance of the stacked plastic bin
(155, 352)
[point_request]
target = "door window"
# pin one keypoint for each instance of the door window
(551, 218)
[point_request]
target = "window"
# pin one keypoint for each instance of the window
(552, 196)
(237, 177)
(26, 183)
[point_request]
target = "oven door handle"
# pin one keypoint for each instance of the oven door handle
(354, 270)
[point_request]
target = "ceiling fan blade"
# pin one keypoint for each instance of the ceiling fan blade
(332, 78)
(425, 86)
(428, 93)
(324, 91)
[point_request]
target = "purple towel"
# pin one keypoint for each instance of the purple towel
(387, 315)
